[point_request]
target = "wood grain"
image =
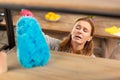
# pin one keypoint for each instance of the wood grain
(100, 6)
(64, 66)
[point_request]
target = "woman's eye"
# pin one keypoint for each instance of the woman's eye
(78, 27)
(85, 30)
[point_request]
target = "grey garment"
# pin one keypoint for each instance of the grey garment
(93, 56)
(52, 42)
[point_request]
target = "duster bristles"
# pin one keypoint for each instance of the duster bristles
(32, 48)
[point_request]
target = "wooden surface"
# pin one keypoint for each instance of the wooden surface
(63, 66)
(66, 23)
(95, 6)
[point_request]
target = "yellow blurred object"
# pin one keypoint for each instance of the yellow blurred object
(51, 16)
(113, 30)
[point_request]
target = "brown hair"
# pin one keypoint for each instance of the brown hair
(88, 47)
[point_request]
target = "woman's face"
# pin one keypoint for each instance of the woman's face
(81, 32)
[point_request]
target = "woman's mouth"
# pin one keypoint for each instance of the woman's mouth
(78, 37)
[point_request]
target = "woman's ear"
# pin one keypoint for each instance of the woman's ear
(90, 39)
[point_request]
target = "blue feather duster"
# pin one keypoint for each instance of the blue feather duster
(32, 48)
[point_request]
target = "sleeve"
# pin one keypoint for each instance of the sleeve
(52, 42)
(93, 56)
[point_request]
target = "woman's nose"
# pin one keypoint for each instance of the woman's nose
(80, 31)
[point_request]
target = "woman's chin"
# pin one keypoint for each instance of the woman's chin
(79, 41)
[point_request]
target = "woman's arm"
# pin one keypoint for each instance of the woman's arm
(52, 42)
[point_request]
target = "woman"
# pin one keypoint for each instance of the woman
(79, 40)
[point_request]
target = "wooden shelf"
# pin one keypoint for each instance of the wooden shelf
(66, 22)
